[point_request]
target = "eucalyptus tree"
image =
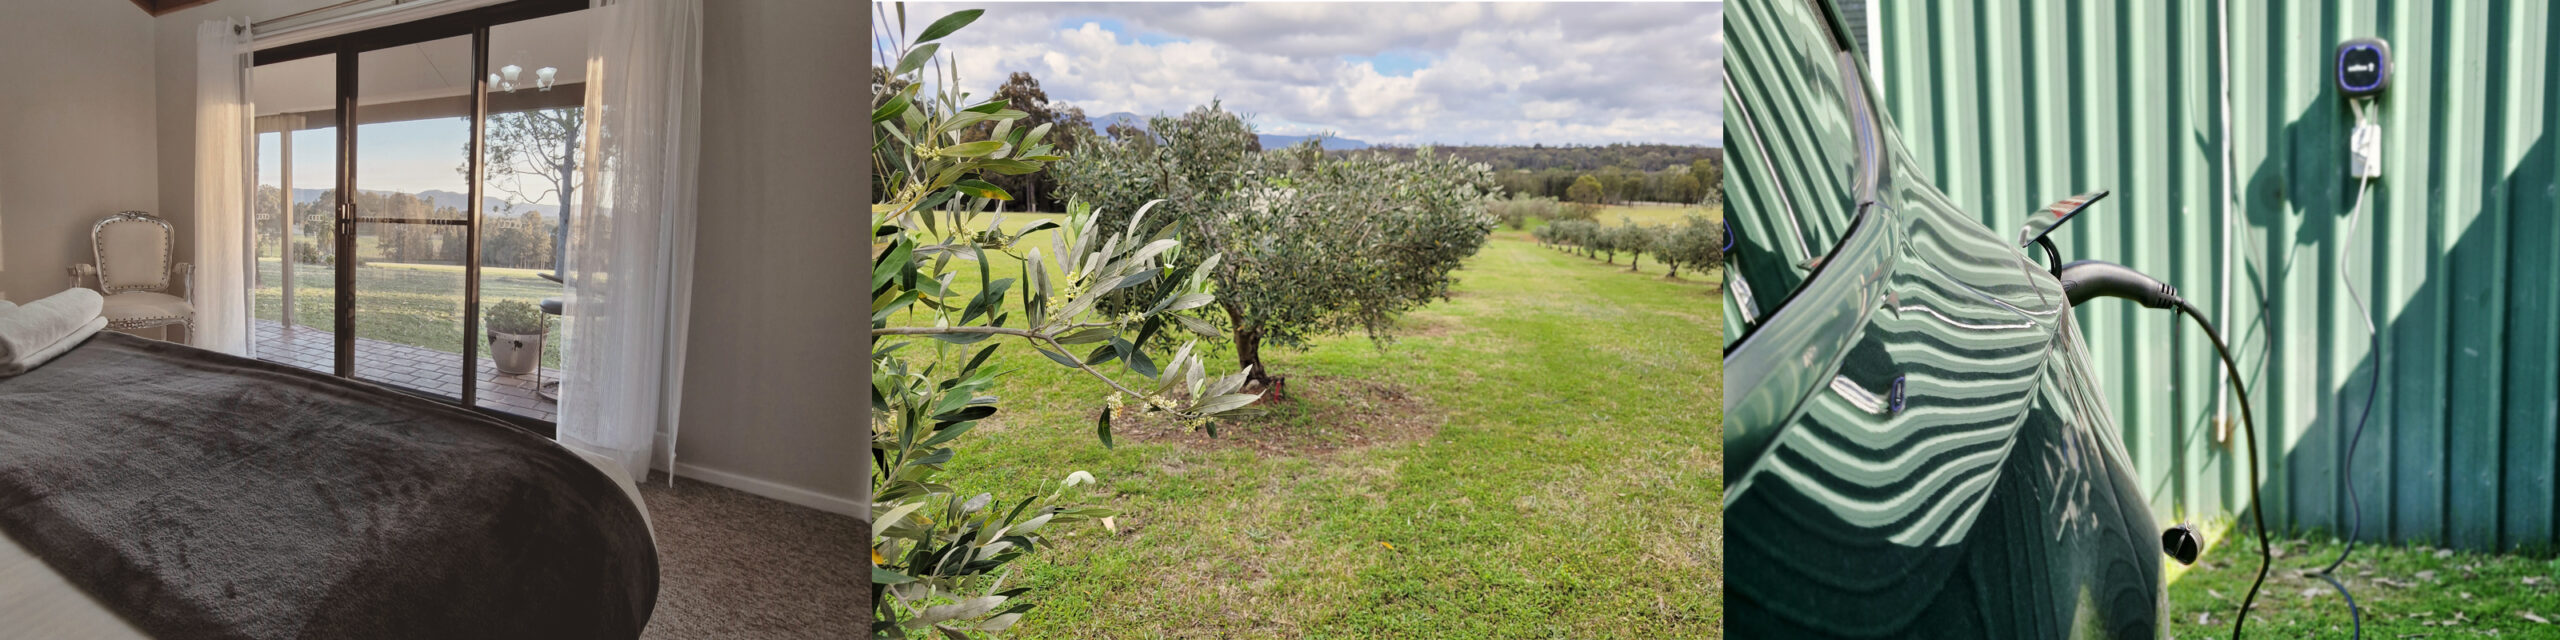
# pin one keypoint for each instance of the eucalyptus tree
(1586, 189)
(940, 555)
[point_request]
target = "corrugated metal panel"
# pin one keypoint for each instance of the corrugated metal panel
(2016, 104)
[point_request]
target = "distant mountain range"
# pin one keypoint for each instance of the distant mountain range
(444, 198)
(1269, 141)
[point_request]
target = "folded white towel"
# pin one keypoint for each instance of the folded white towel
(40, 330)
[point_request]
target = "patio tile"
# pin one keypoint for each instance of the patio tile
(406, 365)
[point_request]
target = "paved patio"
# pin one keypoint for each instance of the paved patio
(396, 364)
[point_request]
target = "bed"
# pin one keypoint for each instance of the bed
(149, 489)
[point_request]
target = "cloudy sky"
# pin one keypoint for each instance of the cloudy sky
(1501, 73)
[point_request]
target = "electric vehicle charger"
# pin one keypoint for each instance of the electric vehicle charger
(2362, 71)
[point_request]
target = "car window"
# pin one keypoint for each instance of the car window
(1792, 152)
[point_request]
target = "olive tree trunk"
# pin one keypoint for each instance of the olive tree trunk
(1249, 353)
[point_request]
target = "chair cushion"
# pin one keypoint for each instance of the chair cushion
(137, 306)
(135, 254)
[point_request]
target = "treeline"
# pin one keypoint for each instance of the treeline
(1617, 173)
(1695, 184)
(1579, 158)
(1696, 243)
(1598, 175)
(519, 241)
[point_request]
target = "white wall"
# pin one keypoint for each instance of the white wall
(773, 386)
(772, 397)
(76, 133)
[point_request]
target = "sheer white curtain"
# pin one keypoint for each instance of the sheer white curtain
(630, 259)
(222, 191)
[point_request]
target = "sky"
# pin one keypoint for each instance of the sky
(1406, 73)
(408, 157)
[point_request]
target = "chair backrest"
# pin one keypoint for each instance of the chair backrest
(133, 251)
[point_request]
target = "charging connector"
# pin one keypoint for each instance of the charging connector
(2364, 149)
(2364, 143)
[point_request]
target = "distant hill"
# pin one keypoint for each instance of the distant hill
(442, 198)
(1269, 141)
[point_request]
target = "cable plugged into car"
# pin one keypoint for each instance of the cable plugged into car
(2090, 279)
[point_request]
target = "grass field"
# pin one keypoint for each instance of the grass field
(414, 304)
(1538, 457)
(2404, 591)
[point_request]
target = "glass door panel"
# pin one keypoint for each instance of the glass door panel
(534, 181)
(295, 213)
(413, 215)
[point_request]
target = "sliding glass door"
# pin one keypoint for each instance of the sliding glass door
(405, 174)
(296, 301)
(411, 304)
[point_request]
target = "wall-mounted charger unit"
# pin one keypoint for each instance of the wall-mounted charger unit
(2363, 71)
(2364, 67)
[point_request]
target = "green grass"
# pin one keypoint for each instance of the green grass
(2404, 591)
(1538, 457)
(413, 304)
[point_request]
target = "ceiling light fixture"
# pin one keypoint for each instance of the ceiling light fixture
(505, 78)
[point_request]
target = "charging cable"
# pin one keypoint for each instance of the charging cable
(2088, 279)
(2367, 163)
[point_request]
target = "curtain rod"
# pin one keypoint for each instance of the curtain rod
(333, 7)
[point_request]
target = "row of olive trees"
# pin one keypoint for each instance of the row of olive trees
(1696, 243)
(1313, 244)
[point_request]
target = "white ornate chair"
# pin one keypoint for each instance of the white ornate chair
(133, 250)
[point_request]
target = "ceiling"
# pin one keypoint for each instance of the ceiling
(157, 7)
(433, 69)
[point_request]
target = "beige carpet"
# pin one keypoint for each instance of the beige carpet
(733, 565)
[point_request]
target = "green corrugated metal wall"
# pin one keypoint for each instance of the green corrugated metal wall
(2015, 104)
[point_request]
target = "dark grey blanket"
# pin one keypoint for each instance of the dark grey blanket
(202, 495)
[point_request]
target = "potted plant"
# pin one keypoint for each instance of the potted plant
(516, 330)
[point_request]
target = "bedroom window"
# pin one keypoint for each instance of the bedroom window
(465, 143)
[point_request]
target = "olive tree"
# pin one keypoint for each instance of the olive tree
(1635, 239)
(1697, 243)
(940, 555)
(1313, 245)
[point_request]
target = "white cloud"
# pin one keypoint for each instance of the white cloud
(1505, 73)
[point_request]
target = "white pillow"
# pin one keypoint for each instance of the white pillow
(35, 333)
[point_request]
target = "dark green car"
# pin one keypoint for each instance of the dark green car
(1914, 443)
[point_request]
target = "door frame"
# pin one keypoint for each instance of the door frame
(348, 49)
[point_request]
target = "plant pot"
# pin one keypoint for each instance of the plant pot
(515, 354)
